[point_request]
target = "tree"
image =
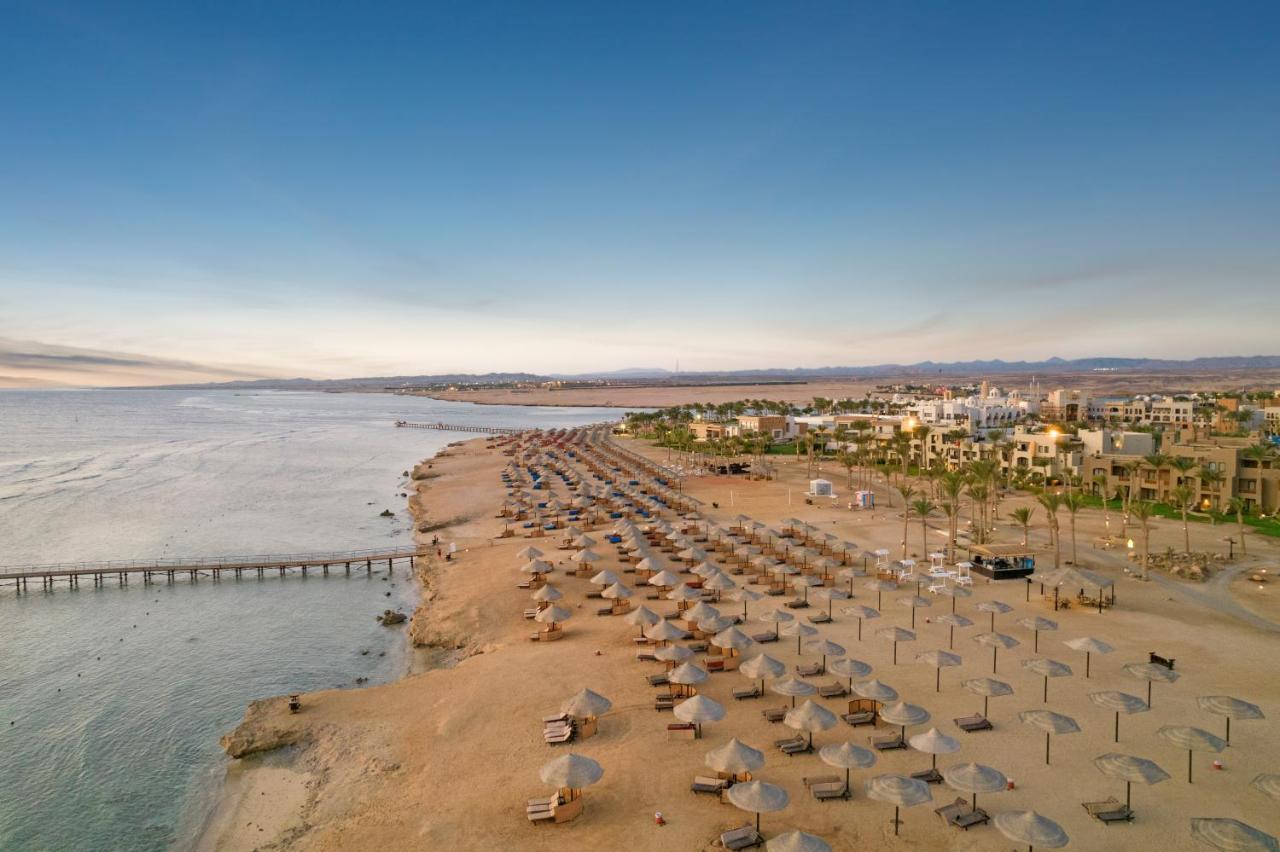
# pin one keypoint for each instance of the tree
(1240, 507)
(1143, 512)
(907, 493)
(1073, 503)
(1023, 515)
(952, 484)
(1100, 488)
(923, 507)
(1212, 478)
(1156, 461)
(1131, 468)
(1182, 497)
(1264, 455)
(1051, 502)
(848, 461)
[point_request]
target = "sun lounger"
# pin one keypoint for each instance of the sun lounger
(793, 748)
(976, 722)
(607, 610)
(750, 692)
(798, 603)
(557, 736)
(809, 670)
(558, 717)
(645, 657)
(961, 815)
(658, 679)
(861, 717)
(788, 741)
(741, 838)
(774, 714)
(820, 618)
(811, 780)
(697, 647)
(530, 613)
(888, 743)
(765, 638)
(1108, 811)
(707, 784)
(663, 702)
(828, 792)
(833, 690)
(928, 776)
(715, 665)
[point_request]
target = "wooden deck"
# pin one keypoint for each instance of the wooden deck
(451, 427)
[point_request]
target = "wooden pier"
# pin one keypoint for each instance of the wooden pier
(450, 427)
(22, 576)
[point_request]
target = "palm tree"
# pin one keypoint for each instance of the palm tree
(1022, 515)
(1156, 461)
(1143, 512)
(907, 493)
(952, 483)
(1182, 497)
(1265, 455)
(1052, 501)
(848, 461)
(1240, 507)
(1100, 488)
(1073, 502)
(1183, 465)
(923, 507)
(1212, 478)
(1131, 468)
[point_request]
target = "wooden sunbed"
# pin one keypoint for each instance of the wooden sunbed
(828, 792)
(961, 815)
(765, 638)
(833, 690)
(809, 670)
(798, 603)
(750, 692)
(811, 780)
(928, 776)
(976, 722)
(820, 618)
(787, 741)
(888, 743)
(861, 712)
(745, 837)
(707, 784)
(774, 714)
(660, 679)
(1109, 810)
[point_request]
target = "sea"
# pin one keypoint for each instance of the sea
(112, 699)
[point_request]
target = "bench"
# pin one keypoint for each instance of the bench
(1167, 662)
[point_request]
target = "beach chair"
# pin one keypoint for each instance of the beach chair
(774, 714)
(833, 690)
(558, 717)
(809, 670)
(812, 780)
(658, 679)
(1109, 810)
(799, 745)
(888, 743)
(558, 734)
(928, 776)
(664, 702)
(745, 837)
(971, 724)
(531, 613)
(706, 784)
(797, 603)
(751, 692)
(765, 638)
(820, 618)
(830, 792)
(862, 711)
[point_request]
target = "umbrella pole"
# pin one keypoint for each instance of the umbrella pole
(913, 618)
(1036, 646)
(937, 684)
(797, 643)
(953, 606)
(985, 700)
(1046, 689)
(1128, 788)
(1046, 748)
(1228, 730)
(757, 822)
(951, 642)
(1086, 663)
(935, 761)
(994, 652)
(1148, 694)
(859, 629)
(1190, 753)
(993, 622)
(1117, 726)
(895, 820)
(895, 653)
(880, 603)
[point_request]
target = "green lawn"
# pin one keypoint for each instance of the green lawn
(1264, 526)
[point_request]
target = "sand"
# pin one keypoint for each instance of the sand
(445, 759)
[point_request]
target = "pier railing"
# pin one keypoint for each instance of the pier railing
(253, 561)
(455, 427)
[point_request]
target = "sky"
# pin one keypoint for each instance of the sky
(194, 192)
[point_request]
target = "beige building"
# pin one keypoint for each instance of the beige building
(773, 425)
(1258, 484)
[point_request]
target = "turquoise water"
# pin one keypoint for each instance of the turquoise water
(112, 699)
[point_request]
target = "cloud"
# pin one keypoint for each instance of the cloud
(28, 363)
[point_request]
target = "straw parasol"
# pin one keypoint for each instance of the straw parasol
(1051, 723)
(1030, 828)
(1047, 669)
(915, 602)
(1090, 646)
(697, 710)
(700, 611)
(642, 617)
(899, 791)
(797, 841)
(826, 648)
(536, 567)
(995, 608)
(617, 592)
(1267, 783)
(860, 612)
(673, 654)
(720, 583)
(847, 756)
(1130, 769)
(849, 668)
(1231, 708)
(688, 674)
(664, 579)
(800, 630)
(732, 639)
(547, 593)
(745, 596)
(880, 587)
(896, 635)
(953, 621)
(1120, 702)
(974, 778)
(758, 797)
(1036, 624)
(585, 557)
(553, 615)
(903, 714)
(1232, 835)
(810, 717)
(586, 704)
(570, 773)
(717, 624)
(683, 594)
(875, 690)
(664, 631)
(605, 578)
(987, 688)
(934, 742)
(529, 553)
(954, 592)
(805, 582)
(794, 687)
(762, 666)
(832, 594)
(996, 641)
(1193, 740)
(735, 758)
(1151, 672)
(939, 660)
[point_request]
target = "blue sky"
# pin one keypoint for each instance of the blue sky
(327, 190)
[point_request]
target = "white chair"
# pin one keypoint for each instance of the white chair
(963, 577)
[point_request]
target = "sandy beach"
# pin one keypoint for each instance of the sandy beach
(446, 758)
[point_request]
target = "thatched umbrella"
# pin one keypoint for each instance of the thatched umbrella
(585, 557)
(1120, 702)
(954, 592)
(1193, 740)
(1231, 708)
(745, 596)
(847, 756)
(777, 618)
(605, 578)
(804, 582)
(996, 641)
(826, 648)
(899, 791)
(716, 624)
(732, 640)
(1090, 646)
(860, 612)
(758, 797)
(664, 631)
(995, 608)
(1130, 769)
(953, 621)
(875, 690)
(810, 717)
(642, 617)
(617, 592)
(1036, 624)
(848, 575)
(529, 553)
(938, 660)
(697, 710)
(797, 841)
(832, 594)
(1030, 828)
(762, 666)
(673, 654)
(1051, 723)
(849, 668)
(535, 568)
(554, 616)
(570, 773)
(735, 758)
(1267, 783)
(896, 635)
(880, 587)
(903, 714)
(1232, 835)
(699, 611)
(687, 675)
(1047, 669)
(914, 602)
(1151, 672)
(586, 704)
(975, 778)
(793, 687)
(934, 742)
(721, 583)
(800, 630)
(547, 594)
(664, 579)
(987, 688)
